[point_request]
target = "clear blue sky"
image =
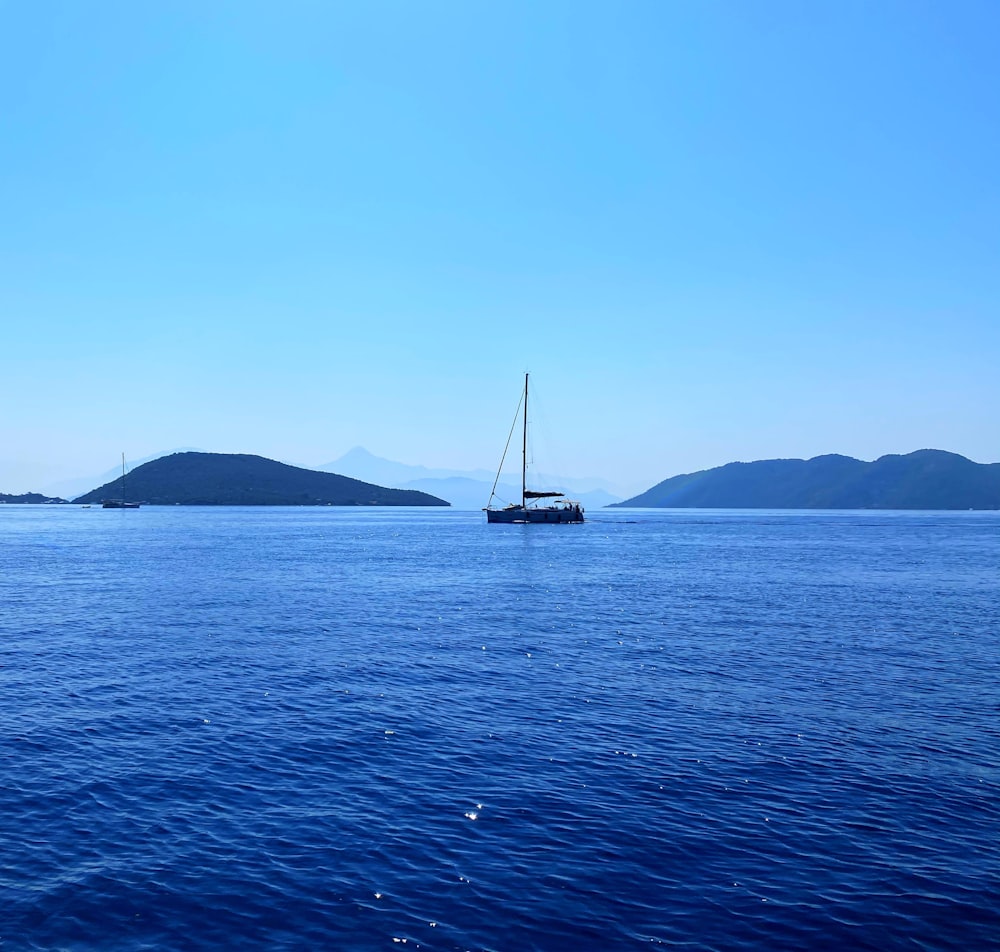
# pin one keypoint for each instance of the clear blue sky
(711, 230)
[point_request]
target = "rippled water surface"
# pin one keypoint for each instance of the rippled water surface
(401, 729)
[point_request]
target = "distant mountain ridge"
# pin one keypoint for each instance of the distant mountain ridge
(222, 479)
(925, 479)
(361, 464)
(464, 489)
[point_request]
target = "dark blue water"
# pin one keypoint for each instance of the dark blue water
(385, 729)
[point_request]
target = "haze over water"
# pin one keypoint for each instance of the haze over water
(338, 728)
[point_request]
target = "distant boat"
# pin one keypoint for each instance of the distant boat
(120, 503)
(559, 510)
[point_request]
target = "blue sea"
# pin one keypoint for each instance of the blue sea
(385, 729)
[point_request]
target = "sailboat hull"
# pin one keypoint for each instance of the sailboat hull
(532, 514)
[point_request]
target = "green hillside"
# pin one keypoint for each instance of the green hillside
(220, 479)
(926, 479)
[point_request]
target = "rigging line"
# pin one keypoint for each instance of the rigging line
(493, 492)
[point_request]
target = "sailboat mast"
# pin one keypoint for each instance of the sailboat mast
(123, 477)
(524, 447)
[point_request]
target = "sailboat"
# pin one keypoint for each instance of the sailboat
(120, 503)
(559, 509)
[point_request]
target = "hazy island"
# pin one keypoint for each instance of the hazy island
(30, 499)
(926, 479)
(223, 479)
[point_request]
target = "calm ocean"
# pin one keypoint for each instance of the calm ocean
(405, 729)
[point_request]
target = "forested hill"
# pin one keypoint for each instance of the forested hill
(221, 479)
(926, 479)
